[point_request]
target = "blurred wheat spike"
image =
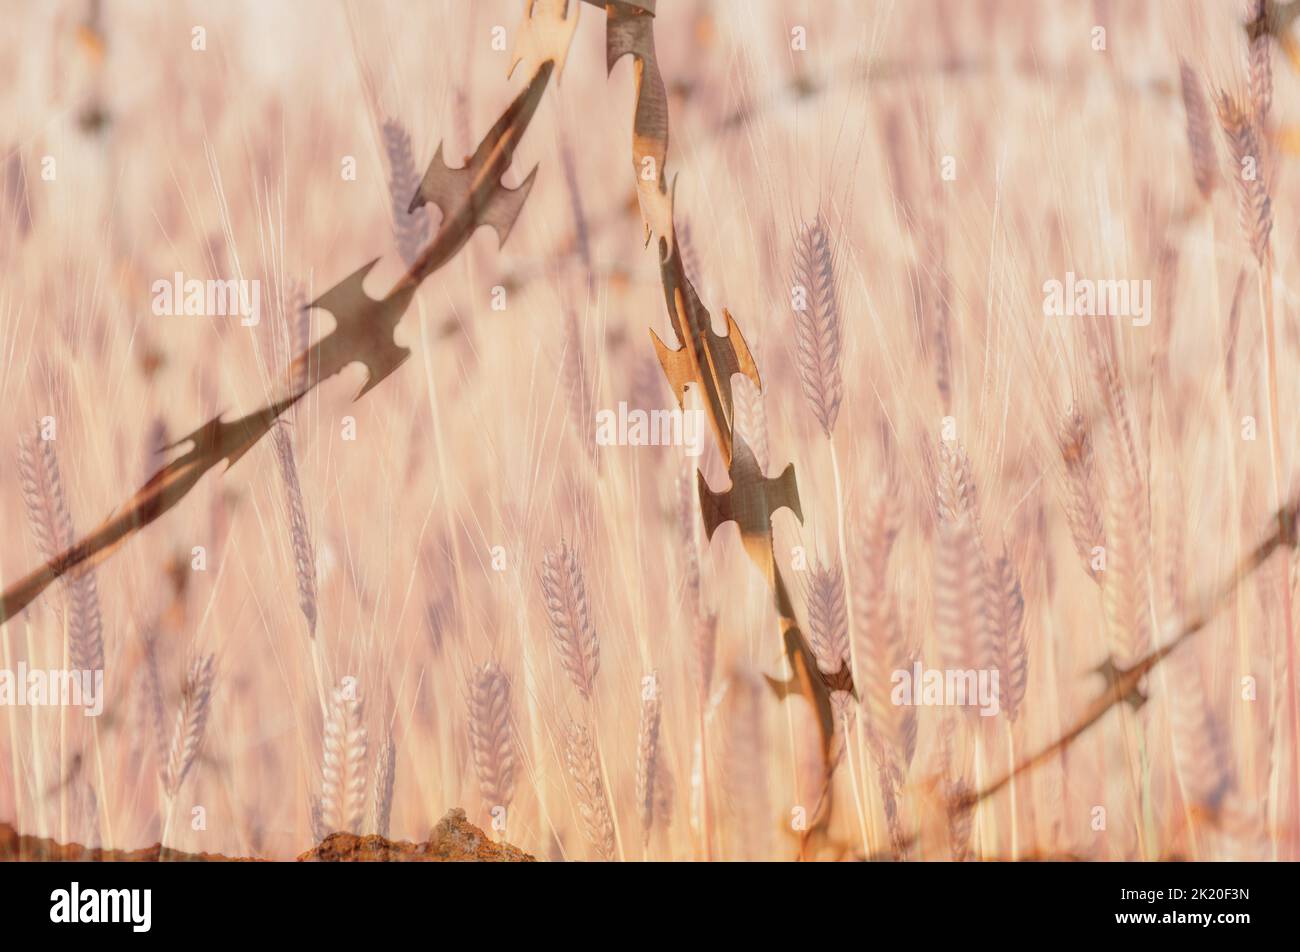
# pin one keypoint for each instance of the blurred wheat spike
(297, 332)
(51, 525)
(385, 778)
(817, 329)
(955, 787)
(1202, 752)
(828, 616)
(578, 384)
(343, 767)
(961, 568)
(1254, 206)
(881, 646)
(1200, 135)
(751, 421)
(191, 719)
(684, 503)
(1260, 78)
(565, 595)
(490, 735)
(647, 760)
(1125, 589)
(1007, 635)
(1082, 485)
(410, 229)
(581, 760)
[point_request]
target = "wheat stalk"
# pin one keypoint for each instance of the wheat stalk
(565, 595)
(1246, 130)
(491, 735)
(817, 329)
(343, 766)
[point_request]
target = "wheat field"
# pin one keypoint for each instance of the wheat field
(452, 592)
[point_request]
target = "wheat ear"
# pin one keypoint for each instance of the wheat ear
(1124, 585)
(304, 558)
(751, 420)
(1254, 206)
(1010, 652)
(411, 229)
(817, 329)
(583, 765)
(828, 617)
(565, 595)
(1200, 138)
(648, 767)
(956, 788)
(343, 766)
(1248, 130)
(51, 524)
(491, 735)
(1082, 485)
(881, 646)
(191, 719)
(961, 571)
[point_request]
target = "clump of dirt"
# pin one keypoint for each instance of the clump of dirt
(454, 840)
(18, 847)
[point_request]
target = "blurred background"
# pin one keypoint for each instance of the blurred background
(535, 628)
